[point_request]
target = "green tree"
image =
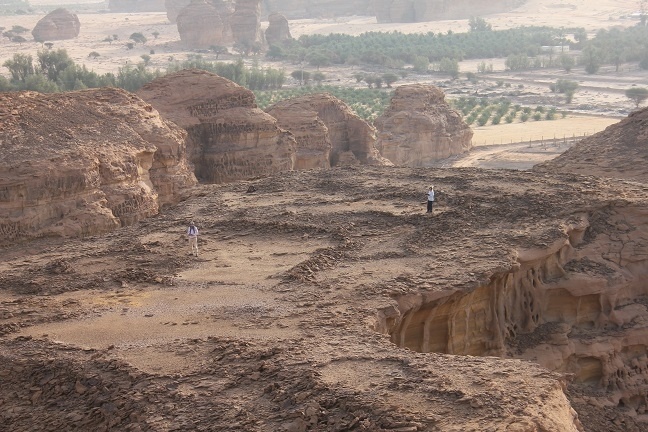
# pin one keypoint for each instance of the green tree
(637, 95)
(421, 64)
(478, 24)
(275, 52)
(301, 75)
(52, 62)
(19, 29)
(449, 66)
(48, 45)
(20, 67)
(218, 50)
(389, 78)
(138, 38)
(94, 55)
(318, 59)
(18, 39)
(146, 58)
(319, 77)
(591, 59)
(156, 34)
(516, 62)
(567, 62)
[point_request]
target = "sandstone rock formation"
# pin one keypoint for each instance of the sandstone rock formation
(246, 23)
(136, 5)
(297, 9)
(86, 162)
(618, 151)
(200, 25)
(229, 137)
(278, 31)
(431, 10)
(419, 127)
(328, 133)
(57, 25)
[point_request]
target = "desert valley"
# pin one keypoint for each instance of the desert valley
(302, 138)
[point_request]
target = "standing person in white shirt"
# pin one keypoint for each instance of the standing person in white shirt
(192, 233)
(430, 199)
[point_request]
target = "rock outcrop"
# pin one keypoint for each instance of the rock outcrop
(430, 10)
(229, 137)
(246, 23)
(619, 151)
(136, 5)
(297, 9)
(419, 127)
(57, 25)
(278, 31)
(85, 162)
(327, 132)
(201, 25)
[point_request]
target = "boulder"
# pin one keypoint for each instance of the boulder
(419, 127)
(86, 162)
(57, 25)
(136, 5)
(614, 152)
(431, 10)
(229, 137)
(200, 25)
(327, 132)
(278, 30)
(246, 23)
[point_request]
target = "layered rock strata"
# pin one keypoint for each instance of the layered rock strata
(615, 152)
(57, 25)
(86, 162)
(419, 127)
(246, 23)
(405, 11)
(328, 133)
(229, 137)
(278, 31)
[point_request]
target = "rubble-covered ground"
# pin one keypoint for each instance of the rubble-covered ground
(274, 327)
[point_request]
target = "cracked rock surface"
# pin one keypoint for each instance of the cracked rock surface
(309, 308)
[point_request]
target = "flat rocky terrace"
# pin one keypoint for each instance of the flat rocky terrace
(329, 301)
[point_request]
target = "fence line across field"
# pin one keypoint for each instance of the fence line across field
(543, 142)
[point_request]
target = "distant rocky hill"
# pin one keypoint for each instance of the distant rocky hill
(620, 151)
(431, 10)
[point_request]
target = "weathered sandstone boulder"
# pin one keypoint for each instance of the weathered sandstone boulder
(296, 9)
(431, 10)
(85, 162)
(419, 127)
(200, 25)
(229, 137)
(278, 31)
(136, 5)
(327, 132)
(619, 151)
(246, 23)
(57, 25)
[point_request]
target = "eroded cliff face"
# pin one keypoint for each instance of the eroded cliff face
(578, 306)
(246, 23)
(229, 137)
(202, 25)
(83, 163)
(328, 133)
(431, 10)
(419, 127)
